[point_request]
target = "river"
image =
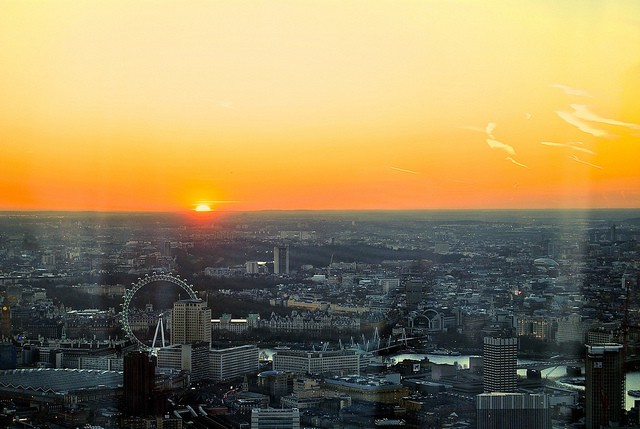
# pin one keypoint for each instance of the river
(632, 378)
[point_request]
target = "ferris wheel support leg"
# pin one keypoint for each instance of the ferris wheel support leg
(160, 328)
(162, 332)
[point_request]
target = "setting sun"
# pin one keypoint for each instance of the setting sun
(203, 208)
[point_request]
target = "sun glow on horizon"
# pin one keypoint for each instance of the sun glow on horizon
(203, 208)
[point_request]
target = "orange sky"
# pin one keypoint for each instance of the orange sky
(157, 106)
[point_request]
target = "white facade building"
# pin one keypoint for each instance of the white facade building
(193, 358)
(233, 362)
(342, 362)
(571, 329)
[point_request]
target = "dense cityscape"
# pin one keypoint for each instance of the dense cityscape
(416, 319)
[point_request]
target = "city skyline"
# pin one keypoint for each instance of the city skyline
(319, 106)
(424, 311)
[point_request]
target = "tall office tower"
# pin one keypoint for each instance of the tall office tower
(190, 322)
(512, 410)
(281, 260)
(8, 356)
(413, 292)
(272, 418)
(6, 329)
(138, 383)
(500, 361)
(166, 250)
(604, 385)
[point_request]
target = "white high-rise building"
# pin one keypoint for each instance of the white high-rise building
(571, 328)
(190, 322)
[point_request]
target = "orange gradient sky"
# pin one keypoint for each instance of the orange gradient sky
(248, 105)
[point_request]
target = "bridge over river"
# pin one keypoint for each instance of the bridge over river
(551, 363)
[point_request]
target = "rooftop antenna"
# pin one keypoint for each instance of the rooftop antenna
(330, 264)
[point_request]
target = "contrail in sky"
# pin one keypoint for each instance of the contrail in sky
(216, 201)
(571, 91)
(570, 146)
(575, 158)
(403, 170)
(516, 162)
(487, 130)
(478, 129)
(495, 144)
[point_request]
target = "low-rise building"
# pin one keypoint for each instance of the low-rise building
(270, 418)
(343, 362)
(499, 410)
(382, 389)
(193, 358)
(233, 362)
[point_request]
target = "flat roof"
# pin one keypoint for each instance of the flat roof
(59, 381)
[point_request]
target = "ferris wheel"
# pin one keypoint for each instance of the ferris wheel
(135, 287)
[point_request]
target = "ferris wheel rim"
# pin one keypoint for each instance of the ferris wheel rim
(130, 293)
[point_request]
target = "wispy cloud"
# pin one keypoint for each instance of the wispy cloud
(581, 111)
(575, 158)
(495, 144)
(582, 126)
(489, 129)
(217, 202)
(516, 162)
(570, 146)
(491, 140)
(403, 170)
(571, 91)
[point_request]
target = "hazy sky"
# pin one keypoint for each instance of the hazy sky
(160, 105)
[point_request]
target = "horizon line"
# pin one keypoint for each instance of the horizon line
(212, 212)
